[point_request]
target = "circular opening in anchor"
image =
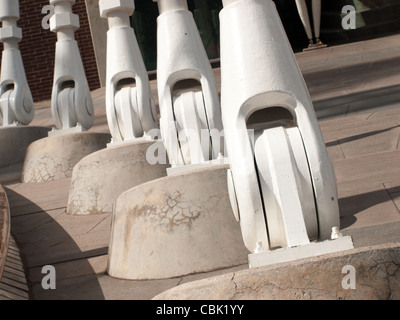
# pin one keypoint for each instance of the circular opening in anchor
(186, 85)
(126, 82)
(269, 118)
(67, 84)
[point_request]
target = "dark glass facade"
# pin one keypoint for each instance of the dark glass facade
(375, 18)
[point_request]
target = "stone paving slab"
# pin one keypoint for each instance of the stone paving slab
(63, 248)
(357, 53)
(73, 268)
(361, 126)
(11, 173)
(366, 205)
(353, 76)
(369, 169)
(374, 235)
(30, 198)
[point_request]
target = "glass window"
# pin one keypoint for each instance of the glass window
(374, 18)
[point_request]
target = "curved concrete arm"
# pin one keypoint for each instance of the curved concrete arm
(130, 108)
(71, 99)
(182, 61)
(16, 99)
(282, 184)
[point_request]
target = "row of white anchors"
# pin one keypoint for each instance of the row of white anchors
(283, 190)
(71, 102)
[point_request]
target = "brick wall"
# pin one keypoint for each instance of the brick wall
(38, 47)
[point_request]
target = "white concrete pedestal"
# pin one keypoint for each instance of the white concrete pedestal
(174, 226)
(99, 178)
(54, 157)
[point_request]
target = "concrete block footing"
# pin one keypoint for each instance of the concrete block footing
(368, 273)
(174, 226)
(98, 179)
(54, 157)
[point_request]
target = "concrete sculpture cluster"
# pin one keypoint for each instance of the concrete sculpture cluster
(278, 192)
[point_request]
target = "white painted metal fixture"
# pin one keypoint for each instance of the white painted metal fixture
(16, 103)
(282, 184)
(130, 108)
(188, 97)
(71, 102)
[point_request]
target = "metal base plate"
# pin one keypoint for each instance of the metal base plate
(56, 132)
(190, 167)
(301, 252)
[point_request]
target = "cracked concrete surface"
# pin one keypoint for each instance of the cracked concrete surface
(53, 158)
(174, 211)
(98, 179)
(377, 276)
(47, 168)
(175, 226)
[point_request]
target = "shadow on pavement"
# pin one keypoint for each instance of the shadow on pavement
(353, 205)
(358, 137)
(43, 241)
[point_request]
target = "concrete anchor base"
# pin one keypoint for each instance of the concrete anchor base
(301, 252)
(14, 141)
(177, 225)
(99, 178)
(54, 157)
(369, 273)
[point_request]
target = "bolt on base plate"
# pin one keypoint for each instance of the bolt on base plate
(313, 249)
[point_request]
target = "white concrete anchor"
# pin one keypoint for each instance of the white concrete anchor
(71, 102)
(188, 97)
(16, 103)
(282, 183)
(130, 108)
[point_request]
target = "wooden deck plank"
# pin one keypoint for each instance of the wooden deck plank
(13, 283)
